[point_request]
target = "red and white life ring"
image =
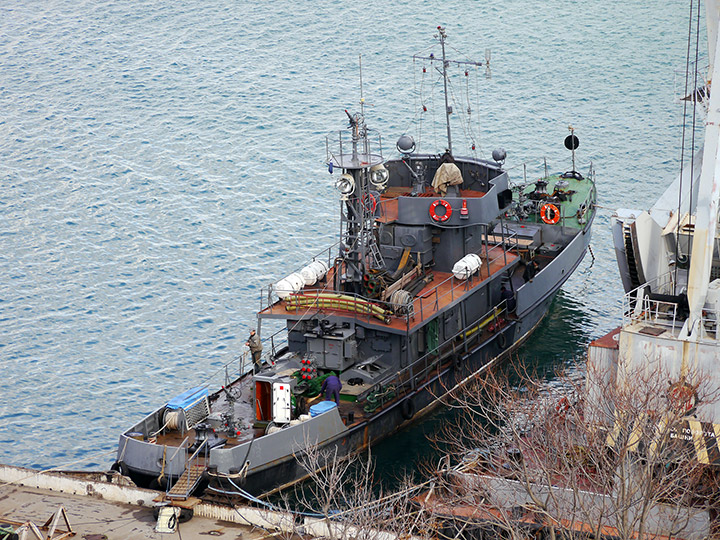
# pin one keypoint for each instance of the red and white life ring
(550, 214)
(563, 406)
(435, 215)
(683, 397)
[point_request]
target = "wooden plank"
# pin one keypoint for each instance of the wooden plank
(523, 242)
(400, 283)
(189, 503)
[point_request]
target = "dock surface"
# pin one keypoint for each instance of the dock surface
(103, 506)
(97, 519)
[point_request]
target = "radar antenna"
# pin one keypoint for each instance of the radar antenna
(442, 37)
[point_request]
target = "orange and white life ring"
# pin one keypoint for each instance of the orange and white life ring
(683, 397)
(550, 213)
(435, 215)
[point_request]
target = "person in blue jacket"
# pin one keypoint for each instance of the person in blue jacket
(332, 386)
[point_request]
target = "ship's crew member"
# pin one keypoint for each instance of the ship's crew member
(332, 386)
(531, 269)
(509, 298)
(447, 157)
(255, 349)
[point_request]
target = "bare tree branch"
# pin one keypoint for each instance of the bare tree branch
(584, 454)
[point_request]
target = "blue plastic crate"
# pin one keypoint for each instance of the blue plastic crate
(322, 407)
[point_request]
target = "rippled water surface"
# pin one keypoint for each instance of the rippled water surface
(162, 161)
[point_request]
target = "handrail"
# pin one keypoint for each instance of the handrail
(401, 380)
(189, 461)
(661, 280)
(182, 444)
(324, 254)
(198, 450)
(654, 311)
(664, 313)
(245, 367)
(361, 305)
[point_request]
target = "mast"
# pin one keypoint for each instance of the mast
(358, 152)
(708, 192)
(442, 37)
(712, 15)
(448, 110)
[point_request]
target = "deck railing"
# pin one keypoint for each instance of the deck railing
(443, 293)
(462, 342)
(656, 312)
(584, 208)
(663, 313)
(637, 305)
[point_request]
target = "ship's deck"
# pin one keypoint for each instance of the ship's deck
(441, 290)
(579, 203)
(482, 514)
(352, 412)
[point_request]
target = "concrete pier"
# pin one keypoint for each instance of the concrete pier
(101, 506)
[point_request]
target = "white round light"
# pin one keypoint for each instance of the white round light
(345, 184)
(406, 144)
(379, 176)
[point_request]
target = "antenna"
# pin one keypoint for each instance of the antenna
(442, 36)
(362, 98)
(571, 143)
(448, 110)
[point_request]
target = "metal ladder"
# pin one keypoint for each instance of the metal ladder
(191, 476)
(375, 255)
(187, 482)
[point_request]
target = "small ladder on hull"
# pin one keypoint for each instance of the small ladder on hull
(630, 256)
(376, 256)
(187, 482)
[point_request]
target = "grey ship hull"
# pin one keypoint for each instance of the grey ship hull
(273, 458)
(534, 300)
(442, 268)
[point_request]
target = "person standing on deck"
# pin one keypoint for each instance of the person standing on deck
(531, 269)
(509, 298)
(332, 386)
(255, 349)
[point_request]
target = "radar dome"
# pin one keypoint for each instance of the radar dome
(406, 144)
(499, 155)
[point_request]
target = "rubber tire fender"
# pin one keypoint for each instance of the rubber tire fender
(186, 514)
(120, 467)
(158, 484)
(457, 361)
(407, 408)
(502, 340)
(301, 407)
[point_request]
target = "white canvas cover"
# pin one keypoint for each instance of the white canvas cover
(448, 174)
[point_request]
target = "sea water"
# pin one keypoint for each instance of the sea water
(162, 161)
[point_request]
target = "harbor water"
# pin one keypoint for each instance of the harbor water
(162, 161)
